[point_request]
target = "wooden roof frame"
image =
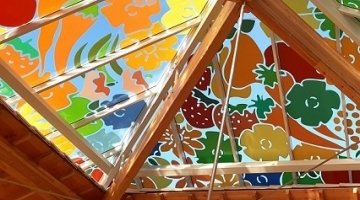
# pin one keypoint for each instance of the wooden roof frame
(285, 23)
(275, 14)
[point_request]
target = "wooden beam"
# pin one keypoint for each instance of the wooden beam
(26, 172)
(182, 88)
(253, 167)
(310, 45)
(348, 24)
(44, 109)
(315, 193)
(352, 12)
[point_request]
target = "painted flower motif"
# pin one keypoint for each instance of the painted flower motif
(197, 181)
(351, 51)
(189, 140)
(151, 56)
(124, 117)
(78, 108)
(311, 102)
(35, 119)
(259, 179)
(326, 24)
(265, 142)
(207, 154)
(310, 152)
(350, 3)
(226, 180)
(311, 178)
(134, 14)
(181, 11)
(156, 181)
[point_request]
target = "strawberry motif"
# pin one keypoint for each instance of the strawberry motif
(205, 79)
(238, 121)
(197, 112)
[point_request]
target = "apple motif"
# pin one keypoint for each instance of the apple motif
(16, 13)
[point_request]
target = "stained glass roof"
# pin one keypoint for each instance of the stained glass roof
(99, 64)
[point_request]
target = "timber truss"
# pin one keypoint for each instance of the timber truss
(207, 33)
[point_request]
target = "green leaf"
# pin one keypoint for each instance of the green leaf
(116, 67)
(94, 51)
(262, 106)
(232, 33)
(77, 59)
(115, 43)
(266, 74)
(103, 50)
(153, 162)
(326, 24)
(247, 25)
(24, 47)
(239, 107)
(206, 155)
(94, 105)
(204, 98)
(92, 11)
(357, 154)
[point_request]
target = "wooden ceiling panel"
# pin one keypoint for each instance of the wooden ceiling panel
(30, 160)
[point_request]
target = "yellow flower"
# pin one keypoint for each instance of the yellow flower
(151, 56)
(181, 11)
(35, 119)
(64, 145)
(265, 143)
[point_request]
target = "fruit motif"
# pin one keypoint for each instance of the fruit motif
(196, 112)
(238, 121)
(205, 79)
(16, 13)
(292, 62)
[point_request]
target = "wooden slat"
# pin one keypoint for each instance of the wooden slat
(18, 166)
(182, 88)
(303, 39)
(255, 194)
(44, 155)
(348, 24)
(251, 167)
(44, 109)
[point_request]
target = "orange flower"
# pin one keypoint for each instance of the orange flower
(151, 56)
(310, 152)
(350, 51)
(134, 15)
(188, 139)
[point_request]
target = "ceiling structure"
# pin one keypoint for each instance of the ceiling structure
(133, 92)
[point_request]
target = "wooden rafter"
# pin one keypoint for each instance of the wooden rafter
(38, 152)
(182, 88)
(251, 167)
(310, 45)
(318, 193)
(18, 166)
(43, 108)
(340, 16)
